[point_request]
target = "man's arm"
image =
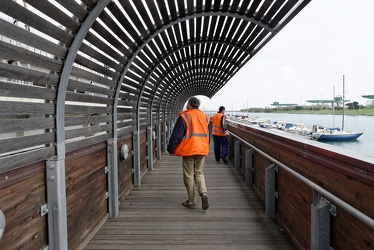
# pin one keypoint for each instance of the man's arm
(223, 123)
(176, 137)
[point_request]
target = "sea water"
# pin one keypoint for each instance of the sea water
(355, 123)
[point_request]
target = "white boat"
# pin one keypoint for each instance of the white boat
(300, 129)
(323, 133)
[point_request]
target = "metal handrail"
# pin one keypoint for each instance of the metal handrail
(337, 201)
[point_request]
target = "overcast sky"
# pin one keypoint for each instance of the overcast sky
(326, 40)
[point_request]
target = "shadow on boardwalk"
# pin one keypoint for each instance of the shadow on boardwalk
(152, 216)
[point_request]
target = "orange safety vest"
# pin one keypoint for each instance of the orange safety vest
(196, 139)
(217, 126)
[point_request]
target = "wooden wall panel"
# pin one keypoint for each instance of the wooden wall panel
(86, 187)
(21, 197)
(125, 178)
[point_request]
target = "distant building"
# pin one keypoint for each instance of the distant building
(368, 96)
(277, 104)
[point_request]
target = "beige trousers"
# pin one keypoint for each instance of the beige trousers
(193, 174)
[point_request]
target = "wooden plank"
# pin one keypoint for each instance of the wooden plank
(19, 143)
(75, 145)
(90, 64)
(26, 108)
(86, 185)
(26, 56)
(87, 131)
(29, 75)
(20, 34)
(126, 24)
(88, 50)
(89, 110)
(74, 8)
(82, 120)
(81, 73)
(21, 204)
(18, 125)
(20, 13)
(152, 217)
(94, 40)
(54, 13)
(8, 163)
(87, 98)
(83, 87)
(26, 91)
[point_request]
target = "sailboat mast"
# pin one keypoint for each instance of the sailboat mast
(333, 108)
(343, 105)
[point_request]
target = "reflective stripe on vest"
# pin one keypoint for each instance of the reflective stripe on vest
(190, 134)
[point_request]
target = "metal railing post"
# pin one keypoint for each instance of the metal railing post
(150, 148)
(136, 159)
(237, 155)
(249, 168)
(158, 141)
(56, 199)
(164, 137)
(270, 193)
(320, 222)
(112, 162)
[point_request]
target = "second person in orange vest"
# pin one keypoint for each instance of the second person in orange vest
(219, 135)
(190, 139)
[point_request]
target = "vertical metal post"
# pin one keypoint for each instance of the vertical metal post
(112, 161)
(270, 193)
(136, 159)
(150, 148)
(249, 168)
(164, 137)
(229, 146)
(320, 223)
(56, 199)
(158, 141)
(237, 155)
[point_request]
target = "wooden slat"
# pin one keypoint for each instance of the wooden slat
(20, 34)
(26, 56)
(54, 13)
(18, 12)
(82, 120)
(152, 217)
(75, 85)
(87, 131)
(90, 110)
(81, 73)
(100, 57)
(15, 161)
(25, 108)
(75, 145)
(23, 142)
(29, 75)
(26, 91)
(86, 98)
(74, 8)
(19, 125)
(88, 63)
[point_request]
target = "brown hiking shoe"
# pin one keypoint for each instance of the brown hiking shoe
(188, 204)
(204, 200)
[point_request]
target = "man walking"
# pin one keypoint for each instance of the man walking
(190, 139)
(219, 135)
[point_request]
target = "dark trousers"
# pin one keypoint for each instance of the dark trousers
(220, 147)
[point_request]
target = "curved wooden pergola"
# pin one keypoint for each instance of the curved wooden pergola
(77, 73)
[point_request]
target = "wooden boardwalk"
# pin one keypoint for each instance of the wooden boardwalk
(152, 216)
